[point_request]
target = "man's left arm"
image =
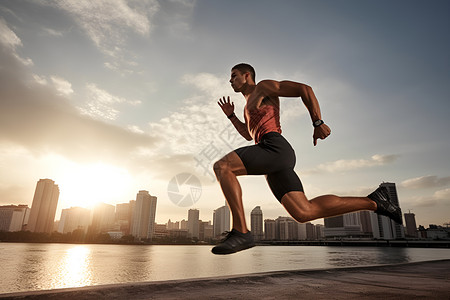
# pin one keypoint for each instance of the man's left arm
(296, 89)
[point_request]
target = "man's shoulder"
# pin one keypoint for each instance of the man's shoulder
(268, 87)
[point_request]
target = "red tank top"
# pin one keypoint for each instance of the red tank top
(263, 120)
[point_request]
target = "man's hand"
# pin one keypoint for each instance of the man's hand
(321, 132)
(226, 106)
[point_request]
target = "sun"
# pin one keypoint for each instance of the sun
(90, 184)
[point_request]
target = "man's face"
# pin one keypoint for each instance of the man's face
(238, 80)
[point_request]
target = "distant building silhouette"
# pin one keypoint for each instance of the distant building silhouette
(205, 232)
(144, 216)
(103, 217)
(13, 217)
(221, 220)
(383, 227)
(74, 218)
(43, 208)
(411, 227)
(256, 221)
(287, 229)
(183, 225)
(347, 225)
(319, 231)
(124, 215)
(269, 230)
(193, 225)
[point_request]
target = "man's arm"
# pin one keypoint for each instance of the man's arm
(228, 110)
(294, 89)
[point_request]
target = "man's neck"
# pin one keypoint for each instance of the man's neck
(248, 90)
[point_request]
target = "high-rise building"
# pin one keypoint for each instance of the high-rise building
(269, 230)
(144, 216)
(366, 223)
(221, 220)
(192, 223)
(286, 229)
(124, 216)
(205, 231)
(343, 226)
(319, 231)
(43, 208)
(13, 217)
(74, 218)
(302, 232)
(310, 231)
(103, 217)
(256, 222)
(173, 225)
(183, 225)
(411, 227)
(383, 227)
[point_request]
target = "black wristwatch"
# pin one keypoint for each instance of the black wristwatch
(230, 116)
(317, 123)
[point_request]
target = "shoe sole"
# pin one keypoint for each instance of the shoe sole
(231, 251)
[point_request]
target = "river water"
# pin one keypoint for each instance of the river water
(27, 267)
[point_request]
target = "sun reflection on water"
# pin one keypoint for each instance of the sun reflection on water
(74, 269)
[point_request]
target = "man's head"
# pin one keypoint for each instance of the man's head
(241, 74)
(245, 68)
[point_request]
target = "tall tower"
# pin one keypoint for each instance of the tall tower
(221, 220)
(74, 218)
(193, 225)
(43, 208)
(144, 216)
(383, 227)
(256, 221)
(270, 230)
(411, 227)
(102, 218)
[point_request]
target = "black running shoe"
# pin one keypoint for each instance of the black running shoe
(234, 241)
(385, 206)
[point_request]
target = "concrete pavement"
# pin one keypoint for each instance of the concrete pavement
(423, 280)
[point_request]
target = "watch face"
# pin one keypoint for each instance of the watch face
(318, 122)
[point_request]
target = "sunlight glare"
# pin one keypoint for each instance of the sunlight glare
(75, 269)
(88, 185)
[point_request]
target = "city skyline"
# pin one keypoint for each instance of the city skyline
(222, 215)
(109, 99)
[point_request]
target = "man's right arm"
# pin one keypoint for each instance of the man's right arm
(228, 110)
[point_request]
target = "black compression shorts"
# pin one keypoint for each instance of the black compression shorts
(274, 157)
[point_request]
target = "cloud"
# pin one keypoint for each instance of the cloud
(425, 182)
(10, 41)
(35, 116)
(8, 37)
(110, 25)
(62, 86)
(102, 105)
(53, 32)
(106, 22)
(438, 197)
(352, 164)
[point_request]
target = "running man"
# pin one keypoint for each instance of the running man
(273, 156)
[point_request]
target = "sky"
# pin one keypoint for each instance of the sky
(107, 98)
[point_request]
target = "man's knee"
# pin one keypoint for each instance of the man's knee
(298, 207)
(220, 166)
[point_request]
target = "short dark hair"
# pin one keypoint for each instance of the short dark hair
(243, 68)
